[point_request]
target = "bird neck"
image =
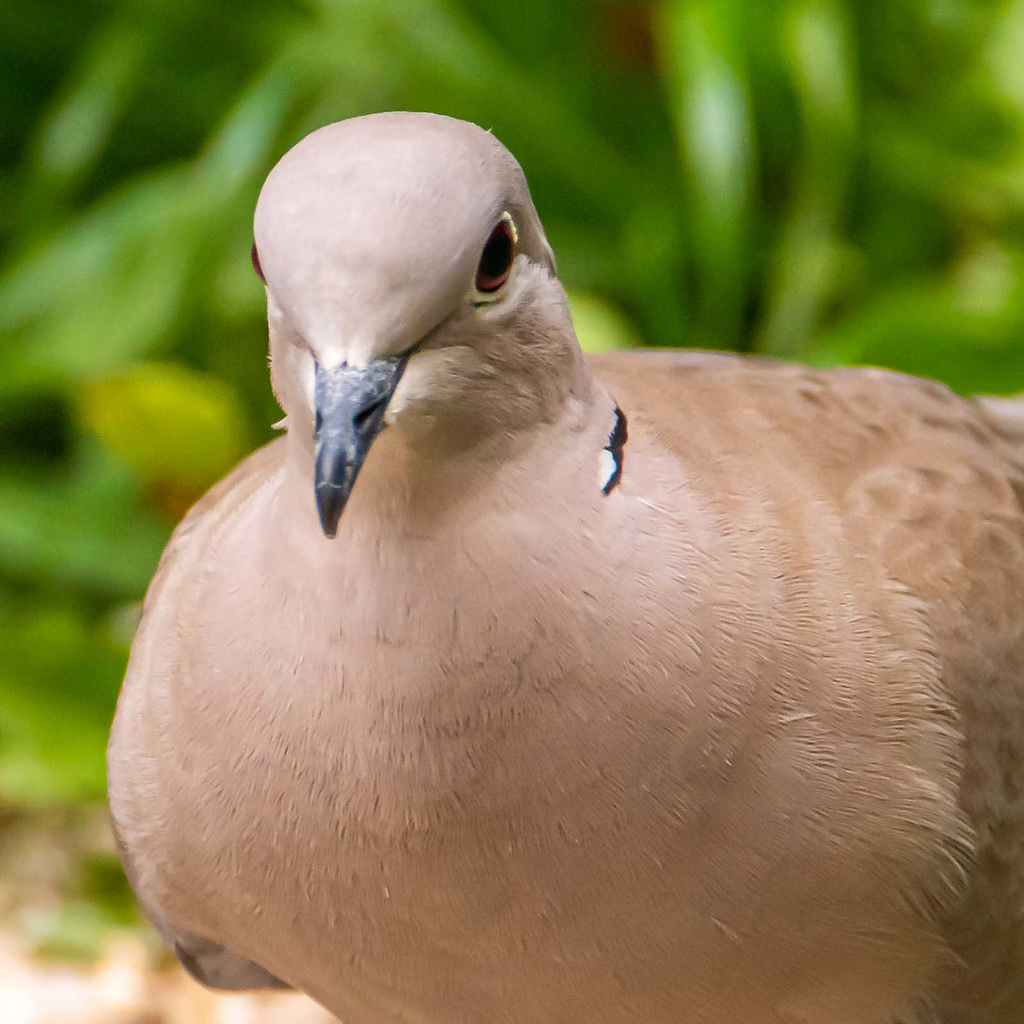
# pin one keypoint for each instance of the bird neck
(415, 484)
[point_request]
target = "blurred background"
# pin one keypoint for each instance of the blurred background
(825, 180)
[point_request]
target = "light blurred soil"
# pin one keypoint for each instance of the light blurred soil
(124, 988)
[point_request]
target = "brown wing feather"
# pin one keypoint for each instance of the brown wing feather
(932, 485)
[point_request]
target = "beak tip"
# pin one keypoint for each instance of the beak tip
(329, 508)
(350, 404)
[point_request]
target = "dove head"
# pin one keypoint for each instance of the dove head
(409, 285)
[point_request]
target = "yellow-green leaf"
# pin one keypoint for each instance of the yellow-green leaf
(599, 325)
(176, 427)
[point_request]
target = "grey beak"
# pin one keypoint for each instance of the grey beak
(350, 403)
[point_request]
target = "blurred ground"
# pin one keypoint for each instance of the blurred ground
(124, 988)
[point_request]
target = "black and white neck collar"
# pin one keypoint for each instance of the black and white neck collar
(612, 454)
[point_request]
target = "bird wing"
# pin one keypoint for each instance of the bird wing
(929, 486)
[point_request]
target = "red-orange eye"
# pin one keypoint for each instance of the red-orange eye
(255, 257)
(497, 258)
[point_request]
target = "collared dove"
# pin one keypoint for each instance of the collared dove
(516, 687)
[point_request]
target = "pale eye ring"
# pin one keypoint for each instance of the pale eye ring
(497, 257)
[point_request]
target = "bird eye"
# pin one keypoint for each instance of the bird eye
(498, 256)
(255, 257)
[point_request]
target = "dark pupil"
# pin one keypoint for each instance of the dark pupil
(497, 254)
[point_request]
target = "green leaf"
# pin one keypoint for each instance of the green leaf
(935, 329)
(806, 265)
(86, 527)
(701, 50)
(73, 133)
(58, 684)
(174, 426)
(599, 325)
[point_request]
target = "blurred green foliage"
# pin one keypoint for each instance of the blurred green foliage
(829, 180)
